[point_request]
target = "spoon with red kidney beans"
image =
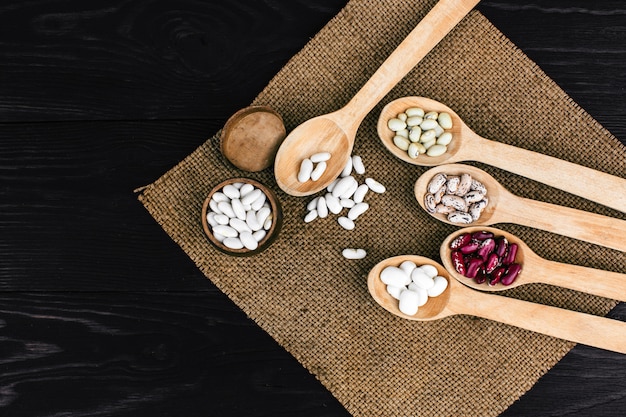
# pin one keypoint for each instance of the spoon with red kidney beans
(490, 259)
(588, 329)
(506, 207)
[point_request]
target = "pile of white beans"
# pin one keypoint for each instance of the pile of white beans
(239, 216)
(345, 193)
(460, 197)
(412, 285)
(313, 167)
(419, 132)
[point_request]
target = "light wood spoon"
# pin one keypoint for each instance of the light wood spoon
(600, 332)
(536, 269)
(466, 145)
(335, 132)
(505, 207)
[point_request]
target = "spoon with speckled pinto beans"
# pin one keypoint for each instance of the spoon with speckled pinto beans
(466, 145)
(565, 324)
(335, 132)
(504, 207)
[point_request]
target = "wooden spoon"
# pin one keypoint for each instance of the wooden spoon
(600, 332)
(504, 207)
(539, 270)
(466, 145)
(335, 132)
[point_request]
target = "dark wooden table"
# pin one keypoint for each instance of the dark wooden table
(101, 314)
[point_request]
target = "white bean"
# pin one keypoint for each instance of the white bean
(238, 208)
(357, 210)
(440, 286)
(259, 235)
(252, 196)
(262, 215)
(226, 208)
(421, 279)
(322, 208)
(375, 185)
(312, 204)
(436, 150)
(359, 194)
(226, 231)
(252, 221)
(239, 225)
(248, 240)
(409, 302)
(393, 275)
(221, 218)
(343, 185)
(306, 168)
(333, 203)
(316, 174)
(231, 191)
(357, 164)
(350, 191)
(350, 253)
(320, 157)
(408, 267)
(445, 120)
(346, 223)
(346, 202)
(233, 243)
(396, 124)
(210, 218)
(347, 169)
(259, 202)
(310, 216)
(422, 294)
(429, 270)
(395, 291)
(245, 189)
(219, 196)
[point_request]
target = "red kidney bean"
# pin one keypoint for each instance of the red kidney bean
(460, 241)
(485, 257)
(482, 235)
(509, 258)
(496, 275)
(511, 273)
(473, 265)
(492, 262)
(486, 247)
(502, 244)
(457, 261)
(481, 275)
(471, 247)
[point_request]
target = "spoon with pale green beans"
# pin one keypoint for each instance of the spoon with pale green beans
(466, 145)
(588, 329)
(505, 207)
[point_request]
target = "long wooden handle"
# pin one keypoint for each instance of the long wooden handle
(580, 278)
(590, 227)
(597, 186)
(600, 332)
(441, 19)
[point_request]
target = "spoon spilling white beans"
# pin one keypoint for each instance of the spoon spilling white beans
(588, 183)
(587, 329)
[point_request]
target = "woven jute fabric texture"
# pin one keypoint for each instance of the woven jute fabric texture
(316, 304)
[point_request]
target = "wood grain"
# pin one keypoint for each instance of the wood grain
(101, 314)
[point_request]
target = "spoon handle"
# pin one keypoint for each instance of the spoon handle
(441, 19)
(578, 224)
(565, 324)
(597, 186)
(580, 278)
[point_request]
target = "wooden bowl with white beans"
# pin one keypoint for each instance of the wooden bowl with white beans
(241, 216)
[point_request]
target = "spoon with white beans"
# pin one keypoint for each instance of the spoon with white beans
(456, 299)
(534, 269)
(335, 132)
(504, 207)
(466, 145)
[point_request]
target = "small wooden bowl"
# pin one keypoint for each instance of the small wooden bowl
(273, 231)
(251, 137)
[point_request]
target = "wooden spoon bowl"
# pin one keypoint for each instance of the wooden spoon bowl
(578, 327)
(466, 145)
(271, 234)
(536, 269)
(505, 207)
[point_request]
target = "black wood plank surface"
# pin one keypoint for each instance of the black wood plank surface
(101, 314)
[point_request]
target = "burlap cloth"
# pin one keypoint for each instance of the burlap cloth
(315, 303)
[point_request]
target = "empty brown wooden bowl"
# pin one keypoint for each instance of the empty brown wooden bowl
(271, 233)
(251, 137)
